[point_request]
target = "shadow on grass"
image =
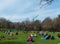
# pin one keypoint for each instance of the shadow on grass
(12, 42)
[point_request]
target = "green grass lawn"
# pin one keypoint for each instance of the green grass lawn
(22, 39)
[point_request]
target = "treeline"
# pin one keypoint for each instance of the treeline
(47, 24)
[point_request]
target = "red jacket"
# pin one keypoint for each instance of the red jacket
(30, 38)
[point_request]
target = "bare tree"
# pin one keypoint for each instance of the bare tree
(47, 23)
(45, 3)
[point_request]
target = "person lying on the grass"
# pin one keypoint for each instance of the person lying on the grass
(46, 37)
(49, 37)
(30, 38)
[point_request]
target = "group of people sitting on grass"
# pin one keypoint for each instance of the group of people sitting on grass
(45, 36)
(9, 32)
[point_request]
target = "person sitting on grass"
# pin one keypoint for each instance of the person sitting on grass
(2, 38)
(52, 37)
(35, 35)
(30, 39)
(11, 34)
(58, 35)
(31, 35)
(16, 33)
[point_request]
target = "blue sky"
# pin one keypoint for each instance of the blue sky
(19, 10)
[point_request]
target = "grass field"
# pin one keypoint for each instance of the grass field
(22, 39)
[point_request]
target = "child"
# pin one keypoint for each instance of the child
(30, 39)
